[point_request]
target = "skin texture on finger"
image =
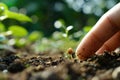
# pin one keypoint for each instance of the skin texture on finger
(114, 15)
(106, 27)
(111, 44)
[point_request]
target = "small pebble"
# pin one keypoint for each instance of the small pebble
(16, 67)
(5, 71)
(116, 74)
(39, 68)
(3, 66)
(117, 50)
(54, 63)
(103, 76)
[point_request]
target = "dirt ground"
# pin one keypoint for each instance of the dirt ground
(46, 66)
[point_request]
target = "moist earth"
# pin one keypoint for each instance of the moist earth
(47, 66)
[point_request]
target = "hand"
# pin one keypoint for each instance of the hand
(105, 35)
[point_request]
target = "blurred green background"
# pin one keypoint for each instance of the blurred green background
(45, 13)
(54, 21)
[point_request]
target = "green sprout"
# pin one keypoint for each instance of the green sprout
(5, 13)
(18, 33)
(60, 24)
(66, 34)
(2, 10)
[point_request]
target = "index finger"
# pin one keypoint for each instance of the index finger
(105, 28)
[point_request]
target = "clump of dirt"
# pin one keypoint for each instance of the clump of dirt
(57, 67)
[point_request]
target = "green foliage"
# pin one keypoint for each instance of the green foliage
(3, 7)
(57, 35)
(58, 13)
(20, 42)
(18, 31)
(86, 29)
(17, 16)
(34, 36)
(60, 40)
(5, 13)
(59, 24)
(67, 31)
(45, 13)
(2, 27)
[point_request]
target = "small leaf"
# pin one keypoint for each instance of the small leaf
(69, 28)
(57, 35)
(65, 35)
(18, 31)
(4, 6)
(3, 17)
(20, 42)
(18, 16)
(35, 35)
(3, 9)
(87, 28)
(59, 24)
(5, 13)
(2, 27)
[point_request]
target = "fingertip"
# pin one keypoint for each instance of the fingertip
(80, 57)
(81, 54)
(99, 52)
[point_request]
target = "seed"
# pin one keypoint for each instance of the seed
(70, 51)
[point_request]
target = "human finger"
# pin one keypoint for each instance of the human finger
(111, 44)
(105, 28)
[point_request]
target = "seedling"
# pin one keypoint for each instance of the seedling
(5, 13)
(17, 32)
(59, 24)
(66, 34)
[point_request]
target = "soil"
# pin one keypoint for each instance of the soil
(47, 66)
